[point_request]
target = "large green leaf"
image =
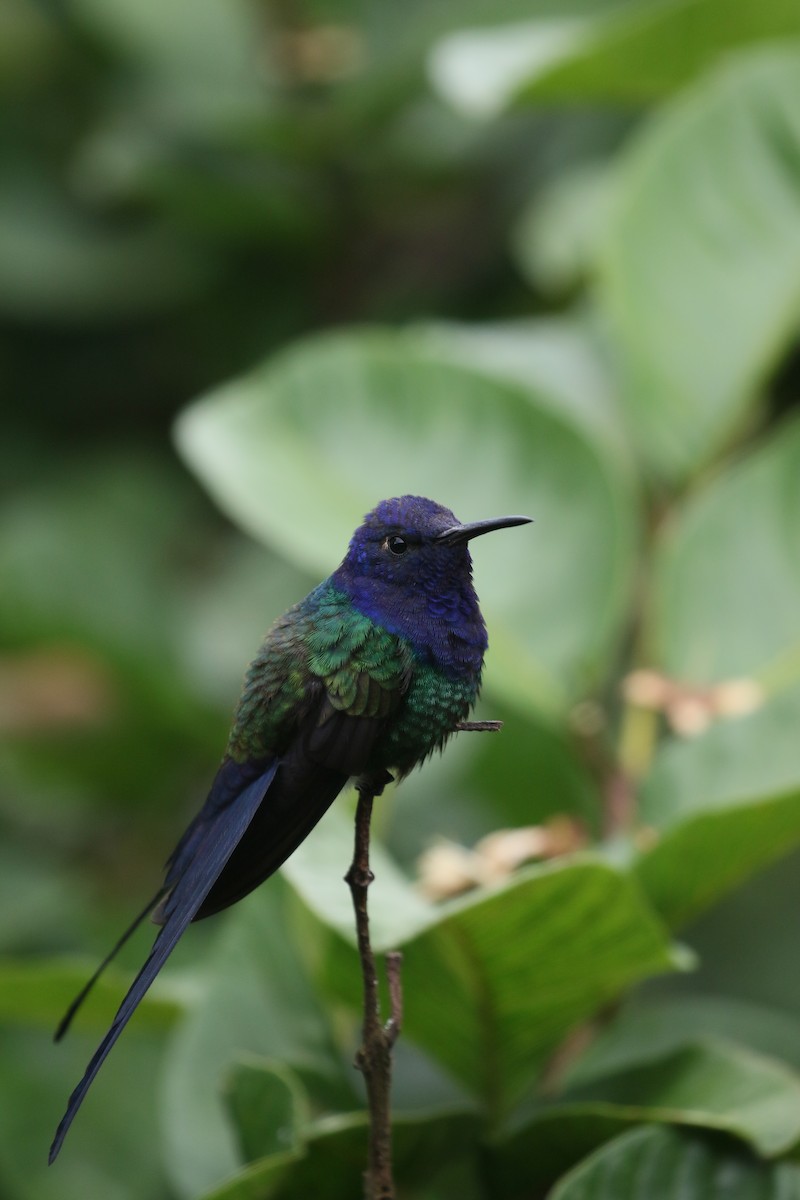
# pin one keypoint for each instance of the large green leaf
(676, 1166)
(561, 361)
(614, 51)
(747, 943)
(330, 1163)
(492, 989)
(647, 1029)
(721, 806)
(494, 981)
(737, 763)
(37, 994)
(695, 862)
(297, 451)
(706, 1084)
(268, 1106)
(700, 266)
(481, 70)
(727, 607)
(711, 1084)
(726, 596)
(316, 871)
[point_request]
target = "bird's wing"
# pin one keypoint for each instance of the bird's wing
(331, 742)
(210, 851)
(299, 796)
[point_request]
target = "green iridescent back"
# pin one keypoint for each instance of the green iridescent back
(325, 643)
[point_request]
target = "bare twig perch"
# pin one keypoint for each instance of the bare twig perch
(374, 1056)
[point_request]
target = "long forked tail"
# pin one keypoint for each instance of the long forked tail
(66, 1020)
(213, 845)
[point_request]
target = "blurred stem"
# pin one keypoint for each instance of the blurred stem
(638, 728)
(637, 741)
(374, 1056)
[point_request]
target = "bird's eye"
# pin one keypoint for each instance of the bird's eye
(396, 544)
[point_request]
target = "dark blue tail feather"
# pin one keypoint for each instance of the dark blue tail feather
(192, 873)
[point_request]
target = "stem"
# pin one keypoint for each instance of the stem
(374, 1056)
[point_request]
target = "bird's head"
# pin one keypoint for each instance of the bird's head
(413, 542)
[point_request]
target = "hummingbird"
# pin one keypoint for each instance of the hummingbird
(361, 680)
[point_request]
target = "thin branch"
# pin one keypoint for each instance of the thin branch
(394, 1026)
(374, 1056)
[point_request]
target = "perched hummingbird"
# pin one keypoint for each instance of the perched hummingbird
(372, 671)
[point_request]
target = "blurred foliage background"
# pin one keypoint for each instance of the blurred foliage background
(538, 257)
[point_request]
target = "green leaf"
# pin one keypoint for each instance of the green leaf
(495, 980)
(681, 1167)
(494, 987)
(700, 266)
(711, 1084)
(727, 574)
(721, 806)
(649, 1029)
(614, 51)
(268, 1106)
(737, 763)
(662, 1063)
(746, 946)
(332, 1166)
(727, 598)
(480, 71)
(710, 852)
(561, 361)
(316, 871)
(37, 994)
(300, 449)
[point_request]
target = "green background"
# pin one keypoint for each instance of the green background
(261, 265)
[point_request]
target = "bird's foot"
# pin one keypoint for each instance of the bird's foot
(374, 783)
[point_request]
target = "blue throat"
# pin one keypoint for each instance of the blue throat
(443, 626)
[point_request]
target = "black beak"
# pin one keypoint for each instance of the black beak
(463, 533)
